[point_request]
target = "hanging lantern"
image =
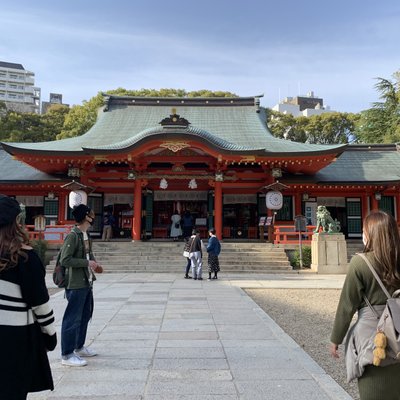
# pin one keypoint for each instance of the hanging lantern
(274, 200)
(77, 197)
(163, 183)
(192, 184)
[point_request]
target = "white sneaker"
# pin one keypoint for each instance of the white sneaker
(74, 361)
(85, 352)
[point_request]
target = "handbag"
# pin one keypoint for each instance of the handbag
(177, 225)
(186, 254)
(388, 321)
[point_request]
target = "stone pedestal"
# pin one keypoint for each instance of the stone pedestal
(329, 253)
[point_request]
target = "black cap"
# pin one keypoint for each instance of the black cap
(80, 212)
(9, 210)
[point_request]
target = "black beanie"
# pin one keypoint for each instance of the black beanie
(9, 210)
(80, 212)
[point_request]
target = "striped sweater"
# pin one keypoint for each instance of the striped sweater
(14, 310)
(27, 329)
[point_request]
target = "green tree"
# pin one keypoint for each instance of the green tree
(3, 109)
(209, 93)
(148, 92)
(53, 121)
(287, 126)
(21, 127)
(327, 128)
(381, 123)
(331, 128)
(81, 118)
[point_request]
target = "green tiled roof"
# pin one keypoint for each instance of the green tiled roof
(235, 124)
(14, 171)
(361, 164)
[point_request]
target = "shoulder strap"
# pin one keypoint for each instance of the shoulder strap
(375, 275)
(191, 241)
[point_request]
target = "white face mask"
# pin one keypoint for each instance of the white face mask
(364, 239)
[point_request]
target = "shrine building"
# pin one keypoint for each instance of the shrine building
(146, 157)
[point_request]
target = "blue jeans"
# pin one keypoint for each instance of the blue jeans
(76, 318)
(188, 265)
(197, 264)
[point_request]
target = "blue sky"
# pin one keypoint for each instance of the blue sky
(286, 48)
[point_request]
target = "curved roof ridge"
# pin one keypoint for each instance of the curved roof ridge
(156, 130)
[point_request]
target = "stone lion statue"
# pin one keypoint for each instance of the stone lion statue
(326, 222)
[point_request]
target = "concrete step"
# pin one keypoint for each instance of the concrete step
(174, 269)
(180, 250)
(224, 257)
(167, 257)
(169, 264)
(160, 245)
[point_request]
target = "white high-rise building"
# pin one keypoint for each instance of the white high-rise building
(302, 106)
(17, 88)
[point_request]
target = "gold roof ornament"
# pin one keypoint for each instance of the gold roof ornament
(174, 146)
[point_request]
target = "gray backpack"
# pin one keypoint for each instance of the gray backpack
(389, 320)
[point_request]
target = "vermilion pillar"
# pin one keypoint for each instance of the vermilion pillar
(364, 206)
(398, 208)
(297, 204)
(374, 203)
(61, 208)
(270, 228)
(218, 208)
(137, 210)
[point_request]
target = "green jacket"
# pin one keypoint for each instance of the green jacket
(359, 282)
(73, 258)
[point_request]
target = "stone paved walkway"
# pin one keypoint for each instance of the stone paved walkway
(161, 337)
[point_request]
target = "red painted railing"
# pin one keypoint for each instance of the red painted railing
(283, 234)
(52, 234)
(286, 234)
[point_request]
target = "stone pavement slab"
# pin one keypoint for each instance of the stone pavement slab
(161, 337)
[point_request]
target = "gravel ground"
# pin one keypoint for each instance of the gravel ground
(307, 316)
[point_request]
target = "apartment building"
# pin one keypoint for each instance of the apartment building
(17, 88)
(302, 106)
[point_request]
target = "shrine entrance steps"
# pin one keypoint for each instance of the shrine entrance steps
(165, 256)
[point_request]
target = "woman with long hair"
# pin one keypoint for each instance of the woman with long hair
(26, 319)
(382, 249)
